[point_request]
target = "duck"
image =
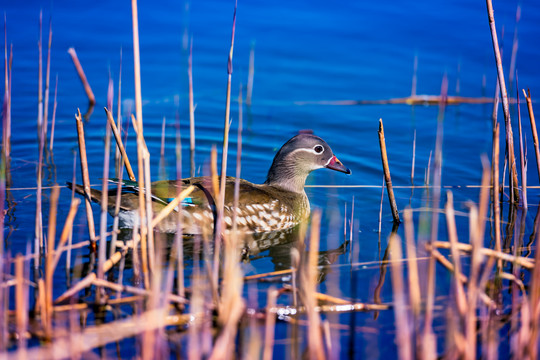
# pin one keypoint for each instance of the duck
(278, 204)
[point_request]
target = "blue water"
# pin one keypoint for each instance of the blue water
(304, 51)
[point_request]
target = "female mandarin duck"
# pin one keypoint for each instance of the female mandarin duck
(277, 204)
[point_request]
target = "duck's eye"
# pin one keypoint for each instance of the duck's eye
(318, 149)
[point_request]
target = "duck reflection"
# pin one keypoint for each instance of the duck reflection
(277, 246)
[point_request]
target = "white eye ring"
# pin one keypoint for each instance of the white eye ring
(319, 149)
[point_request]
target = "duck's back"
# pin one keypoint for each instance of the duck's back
(261, 208)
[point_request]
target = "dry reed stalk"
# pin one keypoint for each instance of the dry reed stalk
(315, 341)
(415, 75)
(412, 263)
(214, 172)
(191, 110)
(38, 232)
(251, 74)
(461, 300)
(6, 138)
(102, 250)
(162, 172)
(82, 76)
(53, 120)
(533, 128)
(142, 207)
(117, 156)
(413, 157)
(476, 238)
(178, 238)
(172, 206)
(270, 324)
(521, 261)
(403, 331)
(221, 197)
(504, 96)
(40, 63)
(49, 260)
(47, 79)
(495, 189)
(21, 305)
(380, 209)
(68, 225)
(88, 279)
(136, 63)
(238, 165)
(232, 305)
(5, 149)
(522, 154)
(429, 347)
(70, 237)
(117, 202)
(386, 169)
(445, 262)
(79, 344)
(149, 211)
(515, 43)
(268, 274)
(85, 178)
(120, 145)
(136, 291)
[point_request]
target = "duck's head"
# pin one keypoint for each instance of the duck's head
(297, 158)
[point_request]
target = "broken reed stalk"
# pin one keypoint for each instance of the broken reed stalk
(172, 205)
(88, 279)
(191, 111)
(142, 206)
(85, 178)
(522, 159)
(504, 97)
(53, 120)
(386, 169)
(533, 128)
(120, 145)
(251, 74)
(521, 261)
(403, 330)
(136, 63)
(82, 76)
